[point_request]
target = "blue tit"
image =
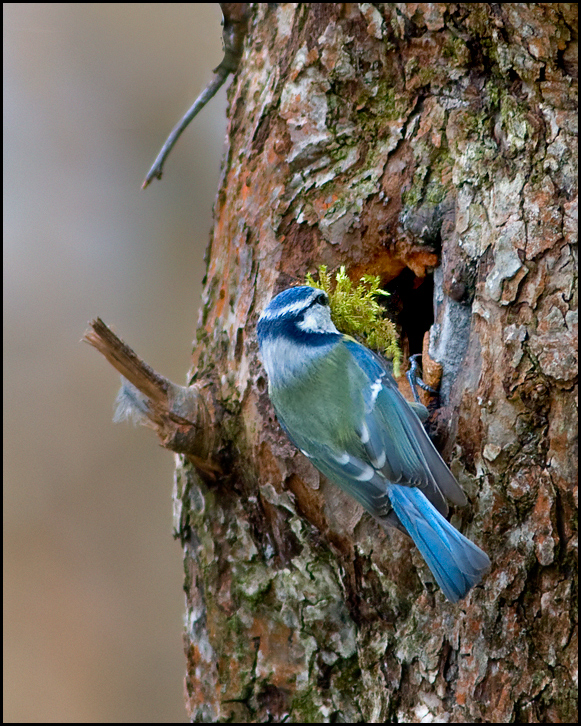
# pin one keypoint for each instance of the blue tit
(340, 406)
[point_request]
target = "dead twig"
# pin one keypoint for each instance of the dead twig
(234, 30)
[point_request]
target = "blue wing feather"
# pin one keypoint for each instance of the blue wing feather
(412, 457)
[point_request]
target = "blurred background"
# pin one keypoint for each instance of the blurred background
(93, 601)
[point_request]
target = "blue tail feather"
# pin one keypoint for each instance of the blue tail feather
(456, 562)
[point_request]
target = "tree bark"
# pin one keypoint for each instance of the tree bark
(433, 145)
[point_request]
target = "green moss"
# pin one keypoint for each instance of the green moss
(348, 676)
(493, 92)
(456, 50)
(355, 311)
(304, 709)
(427, 186)
(340, 153)
(413, 196)
(252, 585)
(384, 104)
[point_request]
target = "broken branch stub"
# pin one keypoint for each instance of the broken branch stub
(181, 416)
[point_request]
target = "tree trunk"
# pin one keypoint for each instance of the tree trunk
(395, 139)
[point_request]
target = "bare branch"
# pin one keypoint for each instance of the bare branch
(234, 30)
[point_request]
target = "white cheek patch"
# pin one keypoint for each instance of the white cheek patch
(317, 320)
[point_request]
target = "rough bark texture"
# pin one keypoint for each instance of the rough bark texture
(391, 138)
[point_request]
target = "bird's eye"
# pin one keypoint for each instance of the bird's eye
(322, 300)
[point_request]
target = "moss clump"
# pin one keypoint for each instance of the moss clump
(355, 311)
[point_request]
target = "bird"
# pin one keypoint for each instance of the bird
(338, 403)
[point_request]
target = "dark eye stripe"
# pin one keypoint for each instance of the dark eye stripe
(321, 299)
